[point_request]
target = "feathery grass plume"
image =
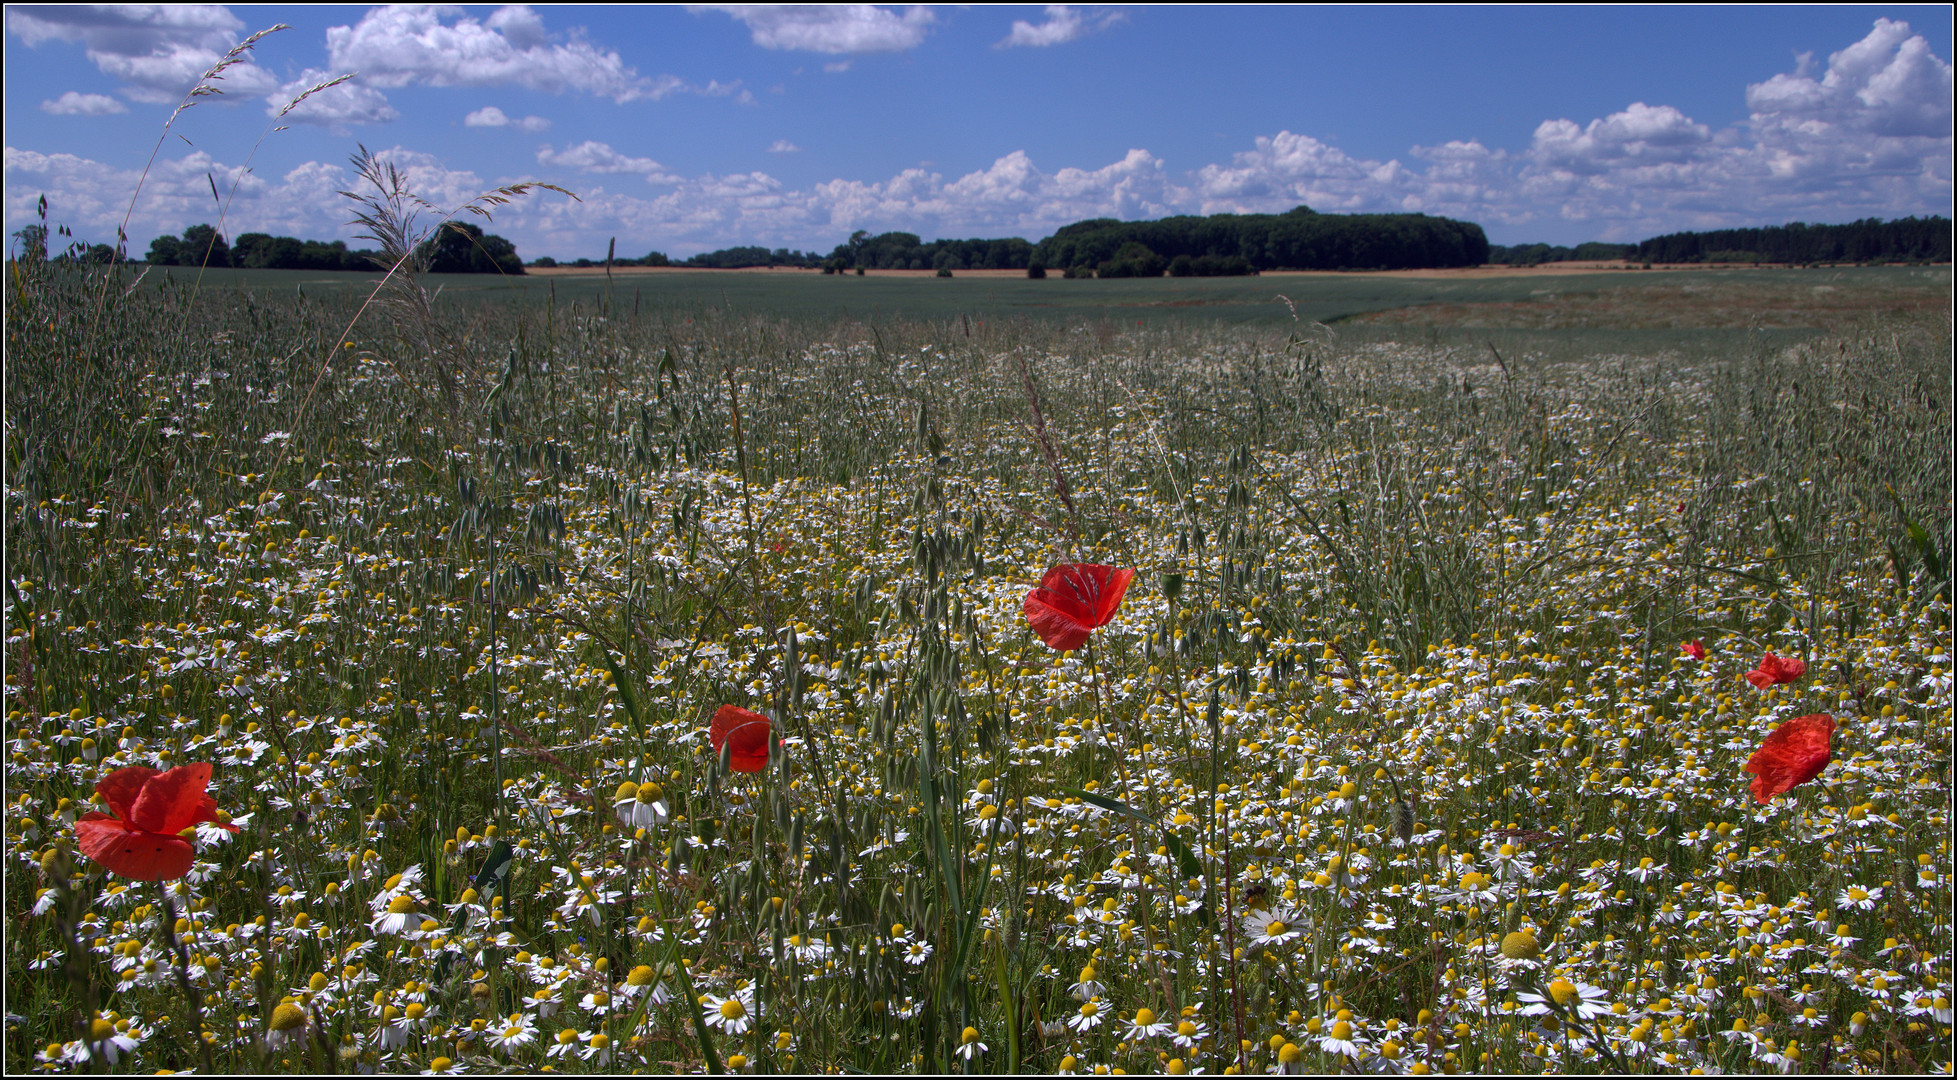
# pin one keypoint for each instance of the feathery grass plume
(390, 215)
(206, 86)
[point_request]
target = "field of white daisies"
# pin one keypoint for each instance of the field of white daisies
(368, 678)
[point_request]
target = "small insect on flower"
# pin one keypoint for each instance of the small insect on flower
(1774, 670)
(1793, 754)
(142, 836)
(1073, 600)
(742, 736)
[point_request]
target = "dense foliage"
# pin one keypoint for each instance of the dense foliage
(461, 248)
(1910, 239)
(260, 250)
(456, 248)
(735, 258)
(904, 251)
(1300, 239)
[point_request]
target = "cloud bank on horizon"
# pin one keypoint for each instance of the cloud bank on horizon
(1868, 134)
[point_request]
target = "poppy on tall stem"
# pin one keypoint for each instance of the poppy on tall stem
(1073, 600)
(742, 736)
(1774, 670)
(143, 836)
(1794, 753)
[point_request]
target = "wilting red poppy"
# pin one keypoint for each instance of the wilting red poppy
(1794, 753)
(746, 732)
(1073, 600)
(1774, 670)
(141, 840)
(1694, 649)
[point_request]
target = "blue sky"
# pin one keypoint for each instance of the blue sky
(685, 129)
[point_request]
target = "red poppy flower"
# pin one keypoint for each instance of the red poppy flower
(140, 839)
(747, 732)
(1774, 670)
(1694, 649)
(1794, 753)
(1073, 600)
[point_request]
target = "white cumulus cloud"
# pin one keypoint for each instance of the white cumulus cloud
(395, 46)
(1063, 24)
(159, 50)
(596, 157)
(77, 104)
(492, 117)
(783, 146)
(835, 29)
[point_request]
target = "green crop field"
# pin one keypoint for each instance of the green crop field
(1774, 299)
(1417, 742)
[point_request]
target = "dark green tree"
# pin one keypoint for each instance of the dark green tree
(459, 247)
(203, 245)
(33, 243)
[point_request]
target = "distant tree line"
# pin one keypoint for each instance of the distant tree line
(733, 258)
(1910, 239)
(1537, 254)
(1300, 239)
(905, 251)
(456, 248)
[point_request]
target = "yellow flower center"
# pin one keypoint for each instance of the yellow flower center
(288, 1016)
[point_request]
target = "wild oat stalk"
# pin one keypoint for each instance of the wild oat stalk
(206, 86)
(224, 210)
(389, 215)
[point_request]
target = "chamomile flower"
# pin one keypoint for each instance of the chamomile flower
(1585, 1000)
(1339, 1040)
(1276, 927)
(733, 1014)
(511, 1035)
(397, 917)
(1145, 1026)
(1088, 987)
(1189, 1033)
(1857, 897)
(597, 1047)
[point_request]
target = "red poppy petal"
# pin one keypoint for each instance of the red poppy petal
(748, 731)
(1760, 679)
(749, 758)
(1060, 628)
(133, 853)
(175, 800)
(1113, 586)
(120, 788)
(1794, 753)
(1063, 589)
(1090, 592)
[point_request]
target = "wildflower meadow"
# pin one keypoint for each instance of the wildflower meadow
(443, 686)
